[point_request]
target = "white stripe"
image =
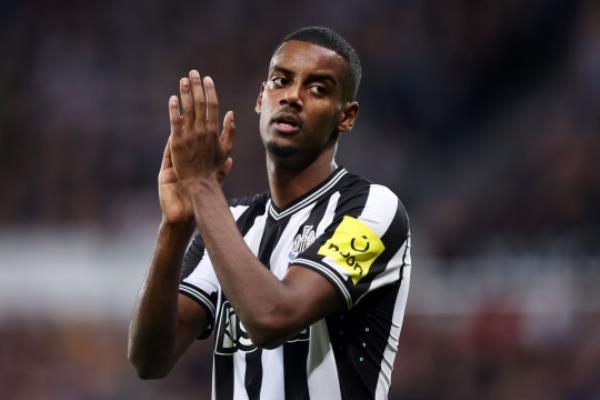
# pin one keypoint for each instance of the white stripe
(276, 215)
(273, 381)
(339, 283)
(389, 354)
(238, 210)
(199, 296)
(239, 375)
(329, 214)
(252, 239)
(380, 208)
(254, 234)
(203, 276)
(321, 368)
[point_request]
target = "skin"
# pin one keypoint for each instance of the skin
(305, 82)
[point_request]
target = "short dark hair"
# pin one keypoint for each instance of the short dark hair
(329, 39)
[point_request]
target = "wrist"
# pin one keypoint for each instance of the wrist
(176, 231)
(203, 186)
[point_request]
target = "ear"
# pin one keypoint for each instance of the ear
(258, 106)
(349, 116)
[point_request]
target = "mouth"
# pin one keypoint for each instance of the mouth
(286, 123)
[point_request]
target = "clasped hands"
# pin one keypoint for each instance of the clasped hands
(198, 149)
(196, 152)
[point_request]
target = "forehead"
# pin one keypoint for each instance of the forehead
(303, 57)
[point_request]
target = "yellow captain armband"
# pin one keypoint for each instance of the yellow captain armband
(354, 247)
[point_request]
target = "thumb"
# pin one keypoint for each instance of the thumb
(228, 132)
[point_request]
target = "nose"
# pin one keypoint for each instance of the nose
(291, 97)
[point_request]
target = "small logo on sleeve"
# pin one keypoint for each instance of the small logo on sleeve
(354, 247)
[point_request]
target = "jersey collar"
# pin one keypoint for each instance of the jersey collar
(309, 197)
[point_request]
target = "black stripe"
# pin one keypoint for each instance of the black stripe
(316, 214)
(381, 321)
(359, 337)
(254, 372)
(192, 256)
(196, 249)
(255, 210)
(295, 381)
(295, 354)
(223, 377)
(224, 365)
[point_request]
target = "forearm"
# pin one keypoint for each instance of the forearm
(259, 298)
(153, 327)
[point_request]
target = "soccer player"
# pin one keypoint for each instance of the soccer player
(304, 286)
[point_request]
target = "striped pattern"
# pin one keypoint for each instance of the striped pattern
(347, 355)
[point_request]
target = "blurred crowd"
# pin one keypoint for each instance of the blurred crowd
(485, 356)
(483, 116)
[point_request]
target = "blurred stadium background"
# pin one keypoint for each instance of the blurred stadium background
(484, 116)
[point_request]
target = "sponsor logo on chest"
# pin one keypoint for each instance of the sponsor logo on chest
(232, 335)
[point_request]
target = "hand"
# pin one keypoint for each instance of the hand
(197, 150)
(176, 207)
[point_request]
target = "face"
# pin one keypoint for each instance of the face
(301, 105)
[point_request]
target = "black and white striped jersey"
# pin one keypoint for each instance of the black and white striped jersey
(356, 235)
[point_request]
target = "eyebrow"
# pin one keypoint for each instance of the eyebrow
(311, 77)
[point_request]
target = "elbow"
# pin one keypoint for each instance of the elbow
(266, 340)
(148, 373)
(267, 333)
(146, 368)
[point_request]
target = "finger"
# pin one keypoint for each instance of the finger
(228, 132)
(187, 111)
(198, 99)
(212, 105)
(174, 117)
(225, 170)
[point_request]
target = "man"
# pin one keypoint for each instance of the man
(305, 286)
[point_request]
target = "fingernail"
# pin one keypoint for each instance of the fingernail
(194, 74)
(208, 80)
(173, 99)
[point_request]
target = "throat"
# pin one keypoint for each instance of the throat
(287, 185)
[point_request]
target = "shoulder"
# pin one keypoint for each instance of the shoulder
(374, 200)
(257, 198)
(255, 204)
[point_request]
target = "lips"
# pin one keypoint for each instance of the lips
(286, 122)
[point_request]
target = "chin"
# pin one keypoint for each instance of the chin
(281, 151)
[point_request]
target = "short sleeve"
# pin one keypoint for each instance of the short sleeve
(364, 247)
(199, 281)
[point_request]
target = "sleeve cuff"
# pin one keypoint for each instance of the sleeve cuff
(331, 275)
(202, 298)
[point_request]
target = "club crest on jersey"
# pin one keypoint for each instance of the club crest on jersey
(302, 241)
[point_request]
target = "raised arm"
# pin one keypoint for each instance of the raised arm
(164, 323)
(271, 310)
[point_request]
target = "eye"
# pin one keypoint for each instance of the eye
(318, 90)
(279, 81)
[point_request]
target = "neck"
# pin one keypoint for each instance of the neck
(287, 184)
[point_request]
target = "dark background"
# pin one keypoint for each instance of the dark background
(483, 116)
